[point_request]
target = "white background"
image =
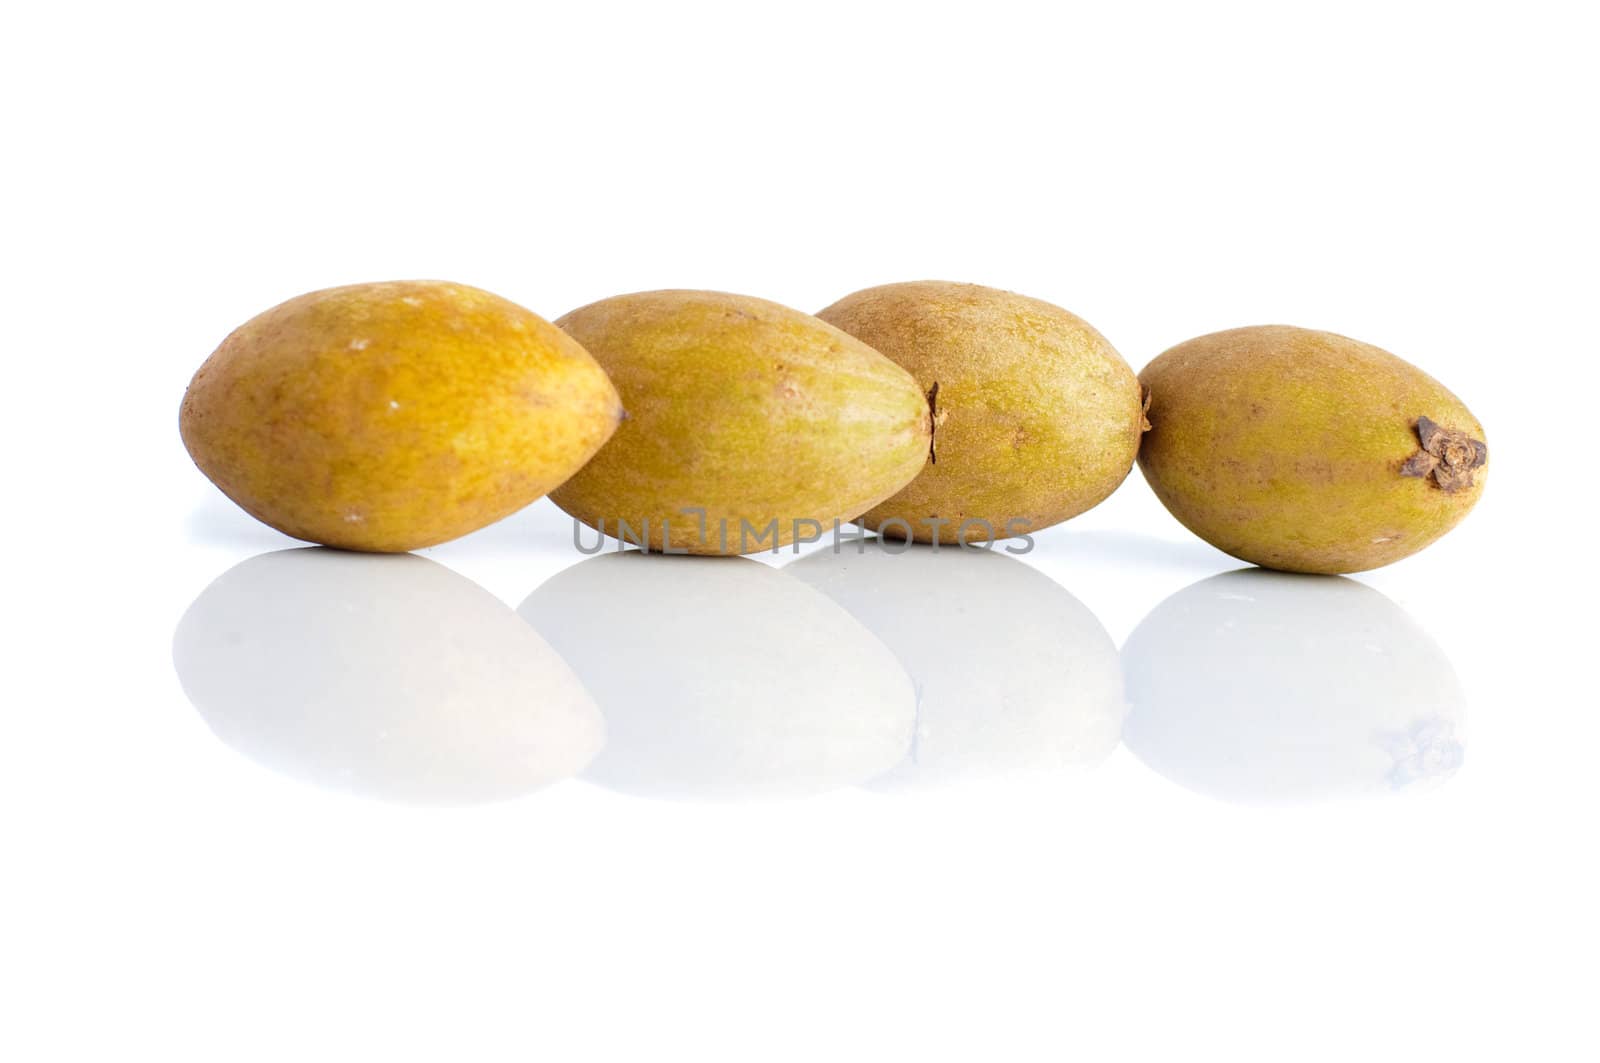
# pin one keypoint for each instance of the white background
(1418, 176)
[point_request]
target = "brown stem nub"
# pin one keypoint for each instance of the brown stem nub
(1446, 455)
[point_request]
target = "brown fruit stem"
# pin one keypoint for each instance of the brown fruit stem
(934, 419)
(1447, 455)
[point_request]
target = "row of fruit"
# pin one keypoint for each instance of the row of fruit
(393, 416)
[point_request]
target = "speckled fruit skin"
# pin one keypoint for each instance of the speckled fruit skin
(1037, 416)
(746, 409)
(1284, 447)
(397, 415)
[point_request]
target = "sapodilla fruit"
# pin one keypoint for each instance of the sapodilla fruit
(1307, 451)
(750, 425)
(393, 416)
(1036, 416)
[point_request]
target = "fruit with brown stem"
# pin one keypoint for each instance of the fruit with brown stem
(1037, 417)
(1308, 451)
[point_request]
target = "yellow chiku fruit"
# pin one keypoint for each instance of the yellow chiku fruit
(396, 415)
(1037, 417)
(749, 424)
(1307, 451)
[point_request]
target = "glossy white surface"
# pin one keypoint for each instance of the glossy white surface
(501, 801)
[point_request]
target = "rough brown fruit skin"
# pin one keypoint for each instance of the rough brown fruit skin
(397, 415)
(1288, 448)
(749, 410)
(1037, 418)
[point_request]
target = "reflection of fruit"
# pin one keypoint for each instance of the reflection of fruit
(1263, 687)
(1013, 674)
(388, 677)
(393, 416)
(724, 678)
(1037, 416)
(758, 415)
(1307, 451)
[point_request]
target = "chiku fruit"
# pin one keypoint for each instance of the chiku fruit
(1037, 418)
(396, 415)
(1307, 451)
(749, 424)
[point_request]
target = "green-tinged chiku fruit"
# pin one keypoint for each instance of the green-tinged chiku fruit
(1306, 451)
(394, 416)
(749, 424)
(1036, 416)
